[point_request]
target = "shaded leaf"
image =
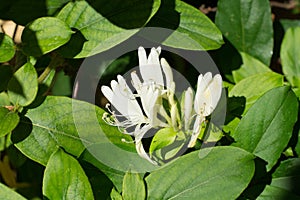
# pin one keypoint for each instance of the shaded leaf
(289, 55)
(209, 174)
(248, 26)
(133, 187)
(255, 86)
(8, 121)
(23, 86)
(7, 49)
(267, 127)
(64, 178)
(162, 138)
(44, 35)
(8, 194)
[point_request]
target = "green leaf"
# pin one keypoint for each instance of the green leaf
(64, 178)
(8, 194)
(192, 29)
(251, 66)
(4, 100)
(288, 23)
(287, 175)
(23, 86)
(5, 75)
(99, 30)
(44, 35)
(289, 54)
(213, 173)
(271, 192)
(255, 86)
(115, 195)
(48, 126)
(7, 49)
(162, 138)
(265, 130)
(133, 187)
(248, 26)
(8, 121)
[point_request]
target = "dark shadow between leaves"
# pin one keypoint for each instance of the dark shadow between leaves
(22, 131)
(5, 75)
(30, 45)
(235, 108)
(259, 180)
(74, 46)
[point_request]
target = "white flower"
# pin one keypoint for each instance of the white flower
(206, 99)
(142, 110)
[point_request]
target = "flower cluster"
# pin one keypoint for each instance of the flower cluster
(137, 112)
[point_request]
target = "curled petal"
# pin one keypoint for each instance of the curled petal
(168, 73)
(196, 131)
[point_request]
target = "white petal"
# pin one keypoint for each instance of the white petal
(107, 92)
(141, 151)
(167, 71)
(188, 107)
(136, 82)
(151, 72)
(216, 88)
(142, 56)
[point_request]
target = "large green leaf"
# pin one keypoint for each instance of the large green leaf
(7, 49)
(23, 86)
(213, 173)
(251, 66)
(44, 35)
(8, 121)
(267, 127)
(65, 179)
(8, 194)
(46, 127)
(133, 187)
(99, 30)
(180, 25)
(289, 54)
(247, 24)
(255, 86)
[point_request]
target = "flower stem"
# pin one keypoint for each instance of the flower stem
(55, 61)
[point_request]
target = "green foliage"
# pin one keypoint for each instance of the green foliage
(198, 174)
(56, 144)
(64, 177)
(266, 122)
(248, 26)
(7, 49)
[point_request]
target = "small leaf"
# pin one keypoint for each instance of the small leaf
(7, 49)
(23, 86)
(213, 173)
(248, 26)
(251, 66)
(265, 130)
(4, 100)
(289, 55)
(255, 86)
(271, 192)
(133, 187)
(115, 195)
(162, 138)
(44, 35)
(8, 194)
(64, 178)
(8, 121)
